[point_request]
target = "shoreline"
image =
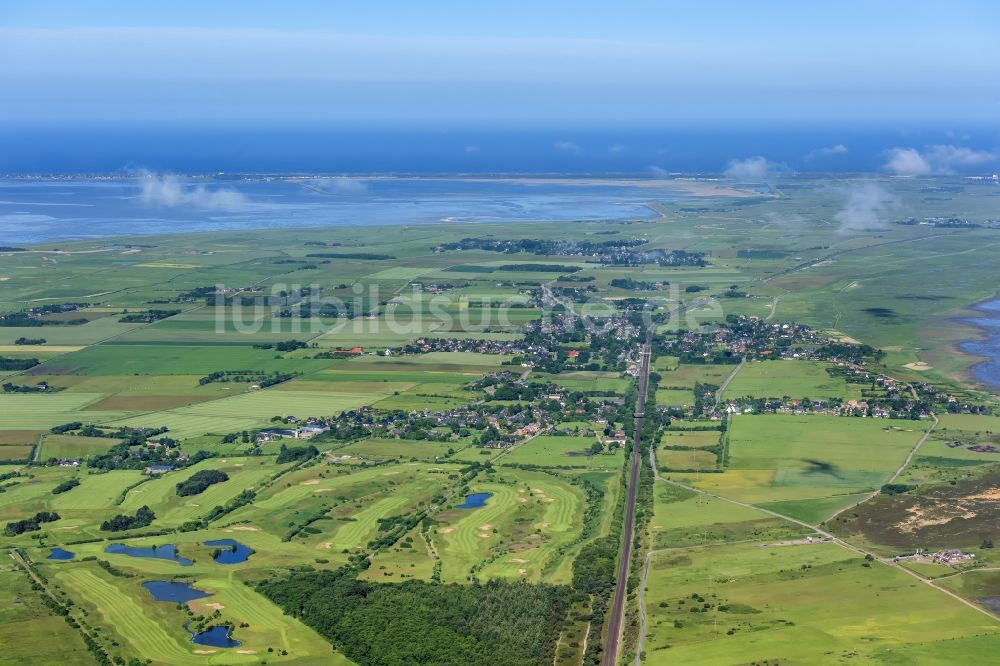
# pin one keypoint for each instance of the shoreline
(981, 334)
(585, 200)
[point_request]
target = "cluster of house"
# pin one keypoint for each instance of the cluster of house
(427, 345)
(948, 223)
(951, 402)
(750, 336)
(534, 352)
(947, 556)
(435, 289)
(823, 406)
(307, 429)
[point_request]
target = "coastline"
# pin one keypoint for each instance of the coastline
(120, 207)
(980, 336)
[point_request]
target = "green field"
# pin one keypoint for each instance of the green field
(397, 448)
(698, 439)
(795, 379)
(29, 632)
(775, 457)
(801, 602)
(26, 411)
(685, 460)
(562, 451)
(159, 633)
(382, 496)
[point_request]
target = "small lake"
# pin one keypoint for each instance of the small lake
(167, 552)
(475, 501)
(230, 551)
(60, 554)
(176, 592)
(217, 636)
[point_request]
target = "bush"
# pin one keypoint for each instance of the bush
(142, 518)
(199, 481)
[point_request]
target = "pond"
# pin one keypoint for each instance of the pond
(60, 554)
(176, 592)
(475, 501)
(167, 552)
(217, 636)
(230, 551)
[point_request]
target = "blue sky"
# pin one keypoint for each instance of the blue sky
(499, 62)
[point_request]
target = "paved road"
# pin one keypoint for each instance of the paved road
(725, 384)
(621, 584)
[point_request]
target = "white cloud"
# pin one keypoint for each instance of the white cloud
(937, 159)
(341, 185)
(866, 204)
(948, 157)
(567, 147)
(751, 168)
(169, 191)
(907, 162)
(829, 151)
(616, 149)
(658, 172)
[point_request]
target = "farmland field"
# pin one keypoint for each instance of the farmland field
(392, 448)
(784, 457)
(401, 415)
(799, 601)
(792, 378)
(562, 451)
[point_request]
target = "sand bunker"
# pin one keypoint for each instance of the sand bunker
(919, 366)
(243, 528)
(447, 530)
(310, 482)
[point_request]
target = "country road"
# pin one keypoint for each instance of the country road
(725, 384)
(621, 583)
(813, 528)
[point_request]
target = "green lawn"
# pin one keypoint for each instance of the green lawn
(802, 604)
(562, 451)
(402, 448)
(796, 379)
(29, 632)
(776, 457)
